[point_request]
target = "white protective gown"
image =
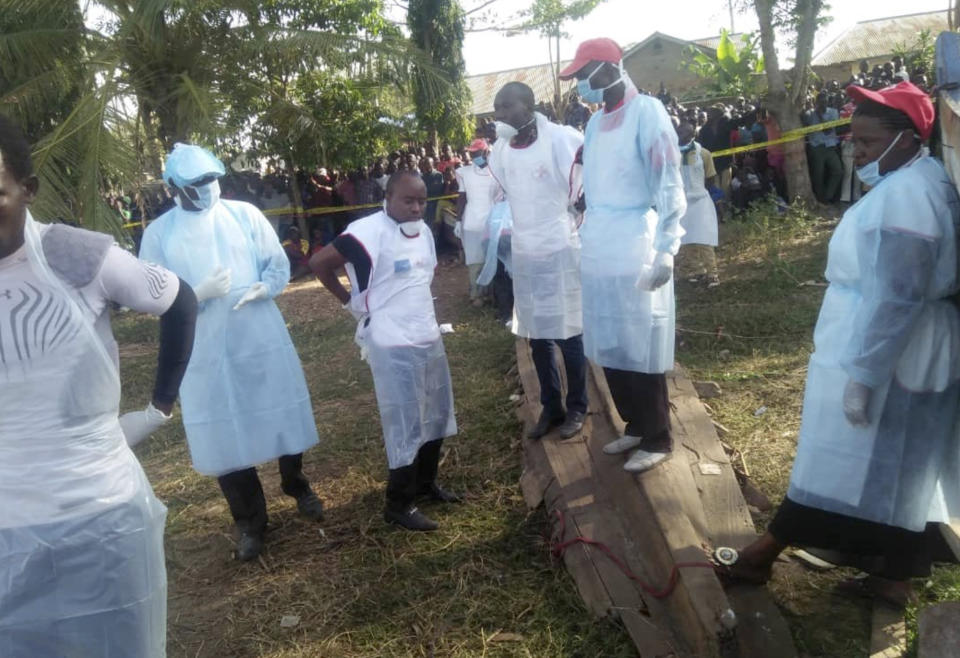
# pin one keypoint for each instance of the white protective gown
(885, 322)
(545, 245)
(81, 533)
(244, 396)
(402, 340)
(481, 188)
(635, 199)
(699, 223)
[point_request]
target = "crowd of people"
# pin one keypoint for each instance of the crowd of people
(580, 227)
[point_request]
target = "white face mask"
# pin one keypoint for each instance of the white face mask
(508, 132)
(207, 195)
(869, 173)
(411, 229)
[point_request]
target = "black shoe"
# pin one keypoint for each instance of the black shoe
(546, 423)
(249, 547)
(410, 518)
(439, 494)
(572, 424)
(310, 507)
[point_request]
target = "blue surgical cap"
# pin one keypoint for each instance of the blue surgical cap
(188, 163)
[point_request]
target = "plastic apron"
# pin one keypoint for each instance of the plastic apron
(700, 221)
(624, 327)
(497, 242)
(886, 472)
(479, 187)
(411, 375)
(81, 534)
(244, 396)
(545, 247)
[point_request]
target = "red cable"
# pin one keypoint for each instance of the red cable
(558, 549)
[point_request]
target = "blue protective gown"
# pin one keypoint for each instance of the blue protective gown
(631, 165)
(886, 322)
(244, 396)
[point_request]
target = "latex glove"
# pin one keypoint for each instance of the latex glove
(458, 230)
(138, 425)
(655, 275)
(856, 399)
(255, 292)
(216, 285)
(357, 315)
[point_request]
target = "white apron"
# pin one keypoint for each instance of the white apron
(886, 472)
(401, 338)
(244, 396)
(81, 533)
(700, 221)
(545, 245)
(480, 187)
(624, 327)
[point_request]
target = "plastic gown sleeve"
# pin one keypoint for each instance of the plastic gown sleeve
(658, 143)
(272, 259)
(894, 283)
(567, 142)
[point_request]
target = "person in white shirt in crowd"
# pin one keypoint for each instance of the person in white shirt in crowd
(245, 400)
(533, 160)
(390, 260)
(478, 188)
(81, 532)
(631, 232)
(699, 223)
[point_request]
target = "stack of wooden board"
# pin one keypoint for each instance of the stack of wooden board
(653, 522)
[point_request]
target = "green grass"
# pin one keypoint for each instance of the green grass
(361, 588)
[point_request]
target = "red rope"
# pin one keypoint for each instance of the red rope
(558, 549)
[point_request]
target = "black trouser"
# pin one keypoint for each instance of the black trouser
(644, 404)
(502, 288)
(244, 493)
(407, 481)
(545, 361)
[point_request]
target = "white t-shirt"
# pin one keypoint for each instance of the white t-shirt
(481, 189)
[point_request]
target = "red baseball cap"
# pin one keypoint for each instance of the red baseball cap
(592, 50)
(903, 96)
(478, 144)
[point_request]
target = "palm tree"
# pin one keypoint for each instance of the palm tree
(154, 72)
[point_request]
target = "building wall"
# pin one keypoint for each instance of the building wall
(661, 60)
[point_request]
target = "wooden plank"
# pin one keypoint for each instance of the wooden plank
(761, 630)
(888, 636)
(657, 506)
(939, 631)
(951, 532)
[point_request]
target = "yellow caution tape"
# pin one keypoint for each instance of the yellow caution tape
(326, 210)
(789, 136)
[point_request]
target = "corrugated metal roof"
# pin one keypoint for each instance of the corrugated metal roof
(484, 87)
(878, 37)
(713, 42)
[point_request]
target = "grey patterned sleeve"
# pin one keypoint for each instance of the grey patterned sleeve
(137, 284)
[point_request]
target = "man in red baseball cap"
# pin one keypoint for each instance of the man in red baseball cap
(631, 232)
(477, 189)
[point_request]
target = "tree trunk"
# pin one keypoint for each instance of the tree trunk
(786, 106)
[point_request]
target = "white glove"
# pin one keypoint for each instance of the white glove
(255, 292)
(856, 398)
(656, 275)
(138, 425)
(458, 230)
(357, 315)
(216, 285)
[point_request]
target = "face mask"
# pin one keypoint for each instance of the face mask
(506, 131)
(869, 173)
(411, 229)
(480, 161)
(592, 95)
(207, 195)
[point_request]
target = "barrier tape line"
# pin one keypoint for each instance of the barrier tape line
(332, 210)
(789, 136)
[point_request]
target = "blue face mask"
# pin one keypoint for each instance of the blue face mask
(869, 173)
(480, 161)
(207, 195)
(591, 95)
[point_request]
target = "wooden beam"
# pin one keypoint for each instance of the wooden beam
(939, 631)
